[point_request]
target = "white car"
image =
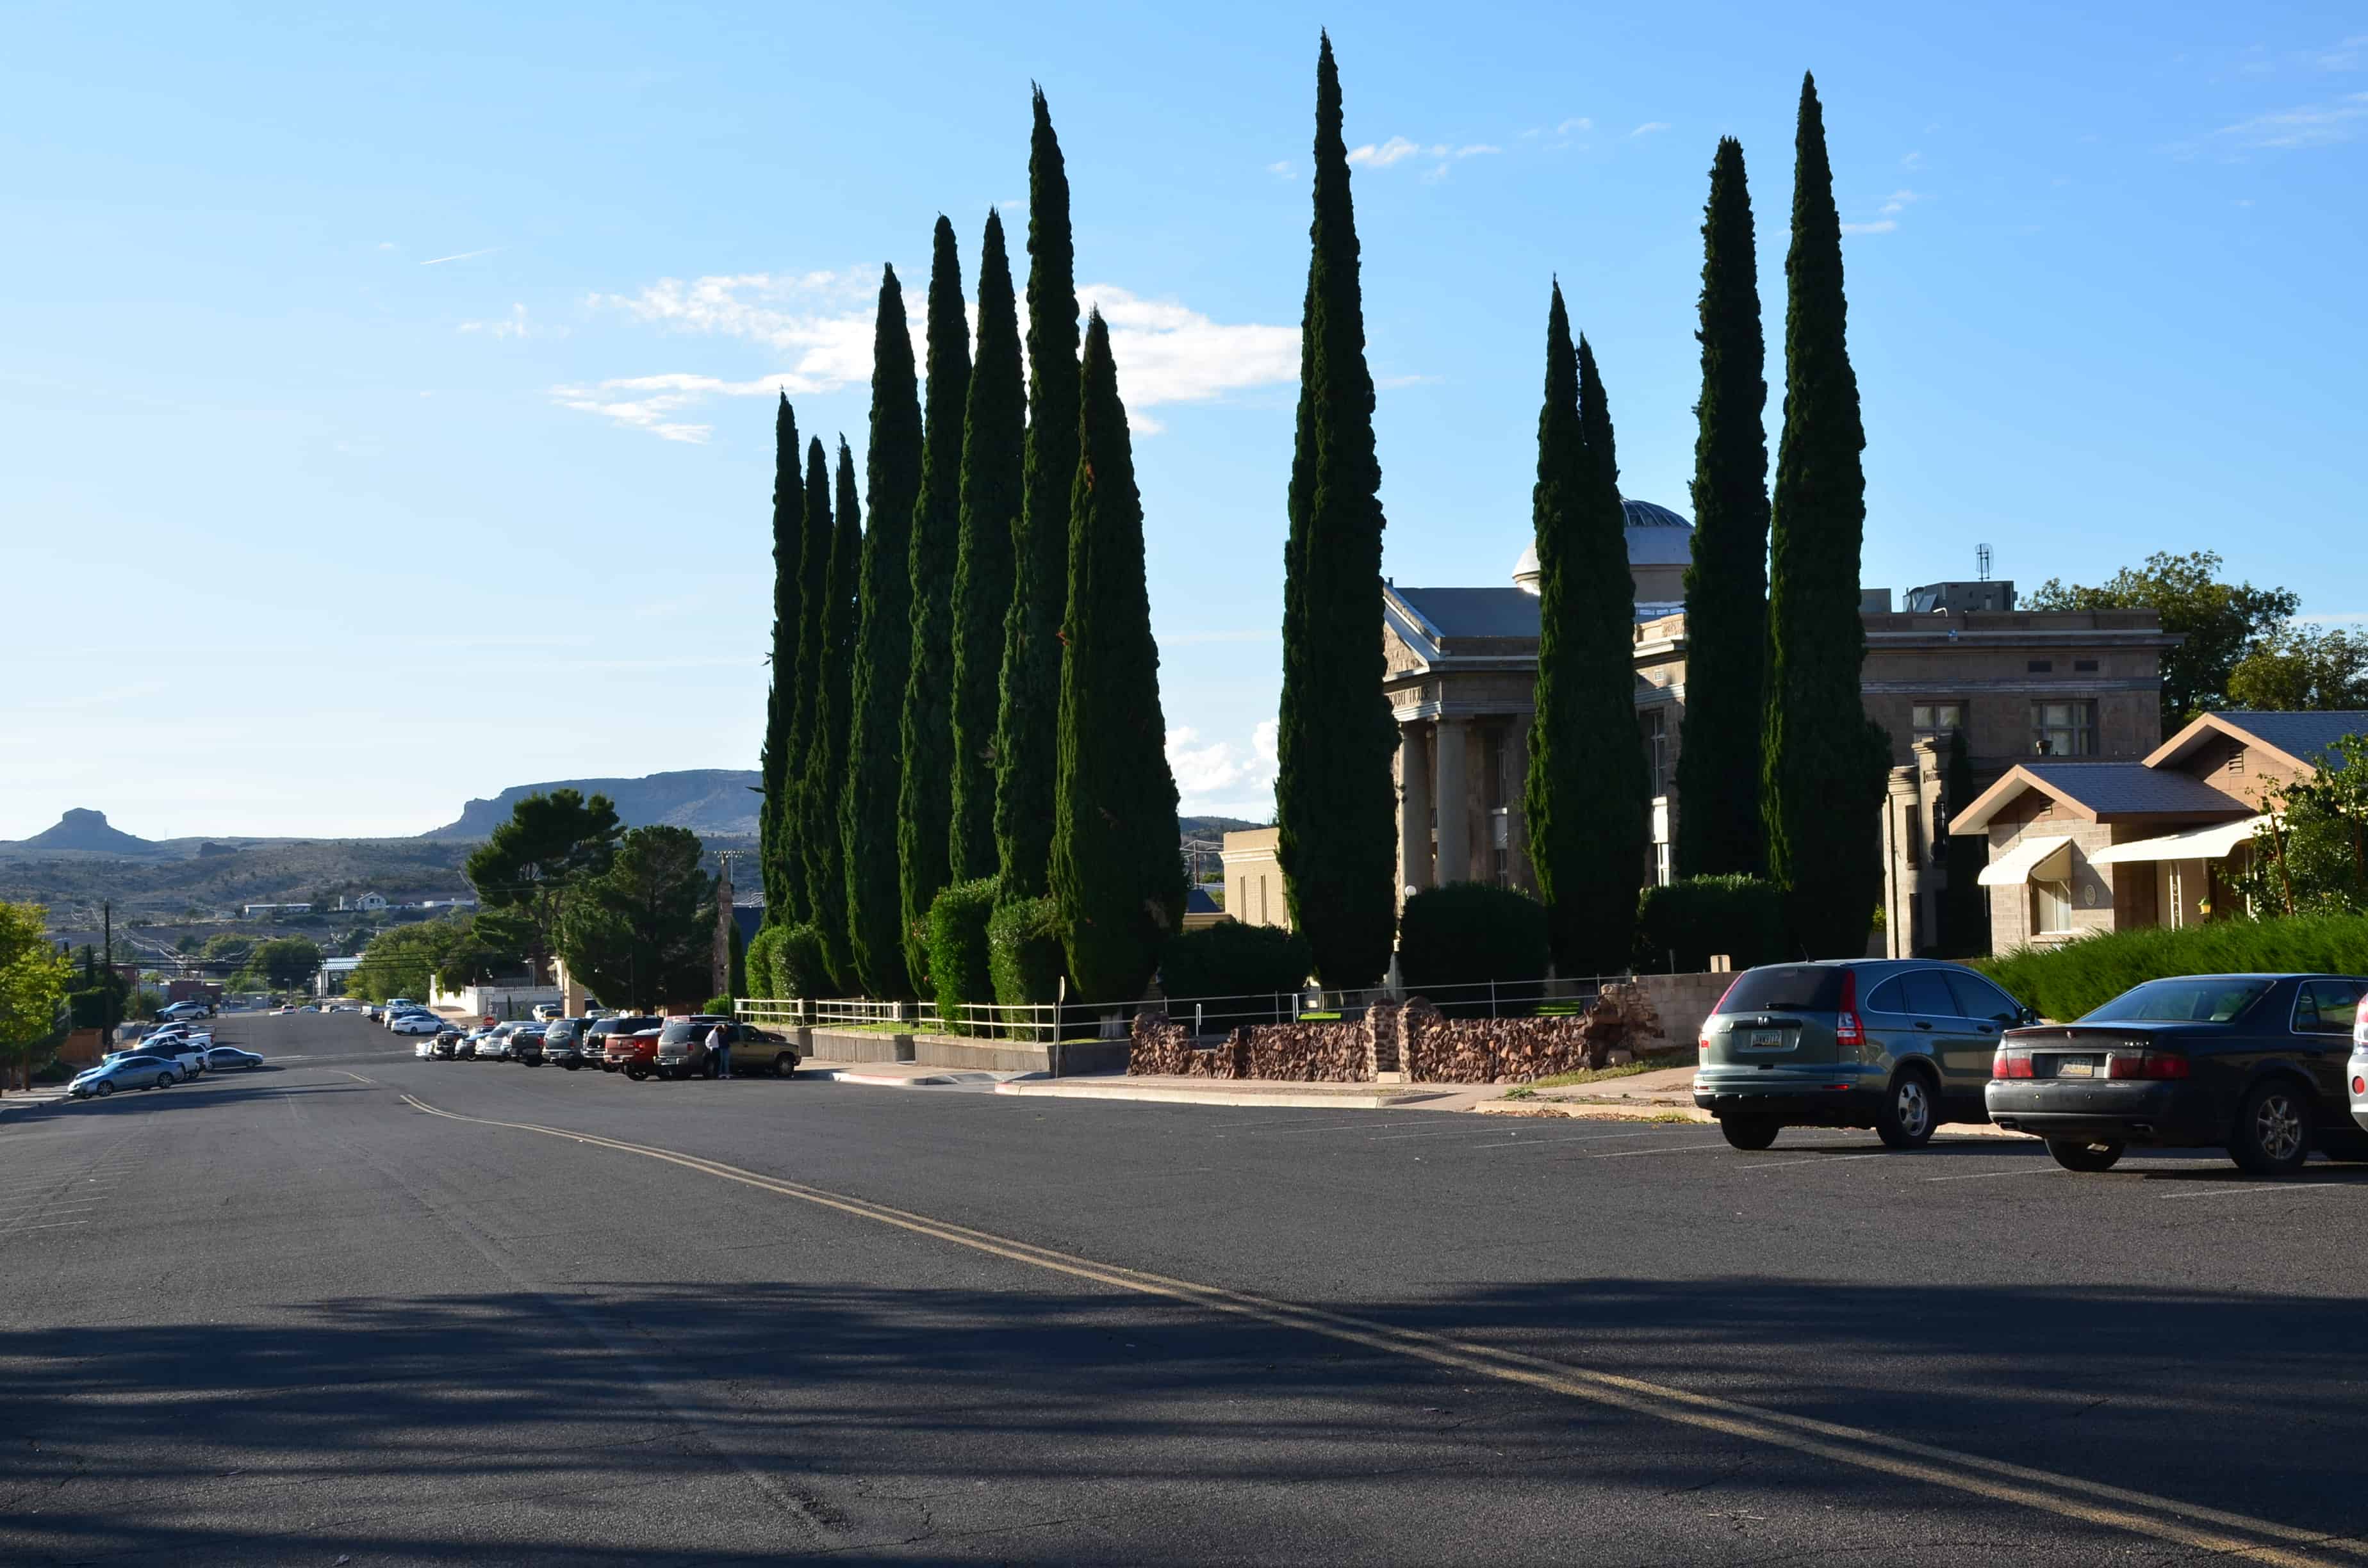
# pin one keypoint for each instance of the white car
(187, 1054)
(425, 1049)
(418, 1023)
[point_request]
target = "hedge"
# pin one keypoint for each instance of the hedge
(1231, 959)
(718, 1006)
(762, 962)
(801, 967)
(1023, 948)
(1469, 934)
(1740, 916)
(2067, 980)
(961, 969)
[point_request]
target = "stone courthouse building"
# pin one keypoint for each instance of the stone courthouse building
(1954, 656)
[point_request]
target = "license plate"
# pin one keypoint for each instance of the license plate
(1765, 1039)
(2076, 1067)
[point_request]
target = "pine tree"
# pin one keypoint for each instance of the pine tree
(1334, 800)
(992, 474)
(1115, 874)
(1823, 761)
(1587, 802)
(925, 801)
(777, 856)
(826, 745)
(884, 654)
(1028, 712)
(1718, 829)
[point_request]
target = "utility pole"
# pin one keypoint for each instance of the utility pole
(723, 919)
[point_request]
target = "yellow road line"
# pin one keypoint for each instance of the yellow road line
(2166, 1520)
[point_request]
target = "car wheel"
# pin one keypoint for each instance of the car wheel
(637, 1073)
(2272, 1131)
(103, 1089)
(2085, 1154)
(785, 1065)
(1906, 1116)
(1749, 1131)
(571, 1066)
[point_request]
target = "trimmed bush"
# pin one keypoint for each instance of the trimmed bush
(801, 966)
(2070, 979)
(960, 966)
(1469, 934)
(763, 961)
(1740, 916)
(1230, 959)
(1023, 948)
(718, 1006)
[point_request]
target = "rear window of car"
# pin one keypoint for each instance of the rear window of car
(684, 1032)
(2196, 999)
(1786, 988)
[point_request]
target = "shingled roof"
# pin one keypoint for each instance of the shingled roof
(2105, 791)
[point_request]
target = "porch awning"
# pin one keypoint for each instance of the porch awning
(2047, 859)
(2193, 844)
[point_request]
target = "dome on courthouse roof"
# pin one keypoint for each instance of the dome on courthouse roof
(1657, 537)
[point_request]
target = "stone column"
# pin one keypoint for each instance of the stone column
(1454, 803)
(1413, 810)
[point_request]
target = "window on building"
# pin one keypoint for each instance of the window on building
(2064, 729)
(1653, 725)
(2084, 667)
(1935, 721)
(1494, 757)
(2051, 908)
(2041, 666)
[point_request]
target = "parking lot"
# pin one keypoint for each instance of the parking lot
(452, 1297)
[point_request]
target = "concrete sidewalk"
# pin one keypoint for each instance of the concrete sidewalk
(31, 1100)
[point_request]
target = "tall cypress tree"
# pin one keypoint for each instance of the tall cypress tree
(1718, 829)
(884, 657)
(1334, 802)
(813, 571)
(925, 803)
(826, 742)
(1823, 761)
(1028, 716)
(992, 474)
(777, 844)
(1115, 873)
(1587, 804)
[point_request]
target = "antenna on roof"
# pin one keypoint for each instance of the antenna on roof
(1982, 562)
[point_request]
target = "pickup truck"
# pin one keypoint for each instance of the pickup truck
(606, 1031)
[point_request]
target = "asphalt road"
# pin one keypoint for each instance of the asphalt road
(297, 1316)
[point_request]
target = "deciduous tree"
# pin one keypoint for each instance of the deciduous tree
(2223, 624)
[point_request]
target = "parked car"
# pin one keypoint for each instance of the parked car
(563, 1043)
(526, 1044)
(596, 1038)
(230, 1056)
(544, 1012)
(130, 1070)
(492, 1044)
(2252, 1063)
(682, 1049)
(2357, 1070)
(184, 1010)
(1898, 1045)
(418, 1023)
(396, 1016)
(762, 1050)
(187, 1056)
(633, 1052)
(425, 1049)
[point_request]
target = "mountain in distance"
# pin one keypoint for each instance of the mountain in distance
(708, 801)
(82, 829)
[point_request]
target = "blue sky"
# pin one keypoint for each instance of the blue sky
(385, 402)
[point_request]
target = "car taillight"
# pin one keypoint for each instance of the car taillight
(2011, 1065)
(1847, 1030)
(2145, 1064)
(2360, 1086)
(2360, 1024)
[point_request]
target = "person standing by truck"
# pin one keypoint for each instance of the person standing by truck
(718, 1046)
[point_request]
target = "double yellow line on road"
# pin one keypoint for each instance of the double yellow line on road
(2070, 1497)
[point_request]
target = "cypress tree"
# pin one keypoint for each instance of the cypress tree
(1028, 715)
(884, 654)
(1334, 802)
(993, 473)
(813, 571)
(1823, 761)
(925, 801)
(777, 856)
(1587, 802)
(1965, 914)
(826, 745)
(1115, 873)
(1718, 828)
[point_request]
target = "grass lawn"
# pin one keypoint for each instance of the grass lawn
(1653, 1063)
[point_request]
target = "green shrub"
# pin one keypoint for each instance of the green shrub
(763, 962)
(1023, 946)
(1230, 959)
(960, 967)
(2067, 980)
(801, 966)
(1740, 916)
(1469, 933)
(718, 1006)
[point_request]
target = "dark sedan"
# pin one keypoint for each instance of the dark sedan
(2252, 1063)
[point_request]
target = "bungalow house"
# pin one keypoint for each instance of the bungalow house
(2079, 846)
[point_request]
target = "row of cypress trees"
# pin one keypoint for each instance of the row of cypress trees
(969, 688)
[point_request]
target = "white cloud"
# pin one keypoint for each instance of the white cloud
(1579, 122)
(1649, 127)
(2314, 125)
(1900, 200)
(2345, 56)
(1912, 161)
(511, 326)
(1222, 776)
(1166, 352)
(1283, 170)
(464, 255)
(1882, 226)
(1477, 149)
(1390, 151)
